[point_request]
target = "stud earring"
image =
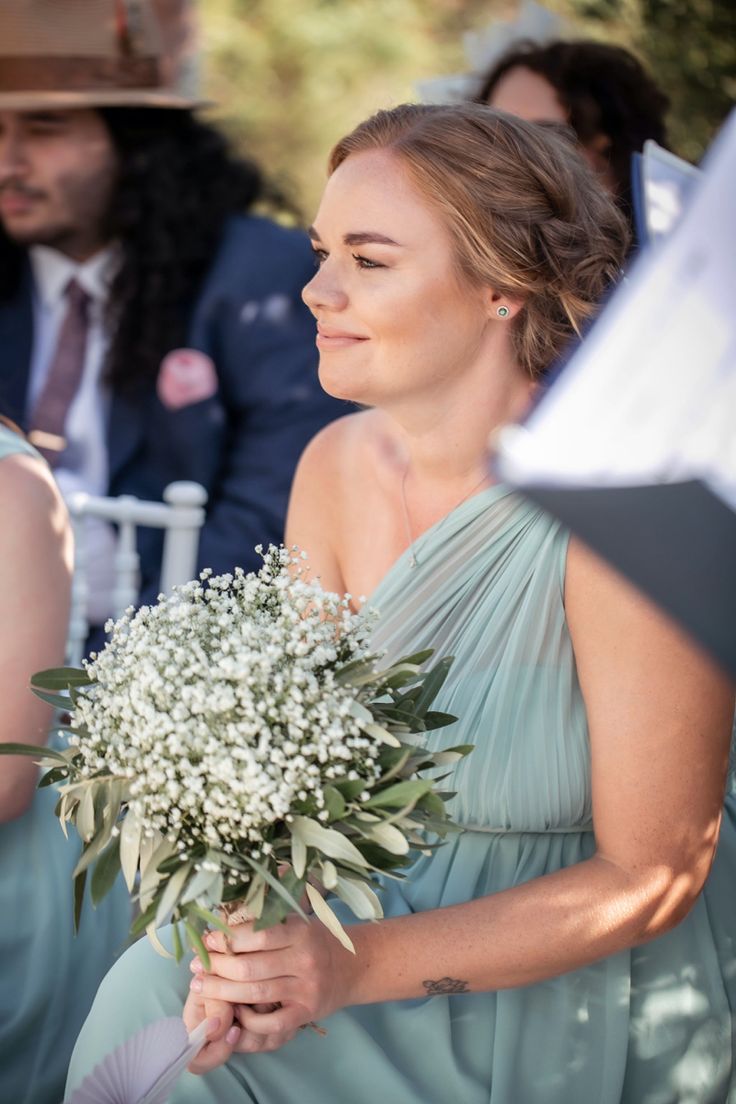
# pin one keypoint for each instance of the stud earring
(502, 312)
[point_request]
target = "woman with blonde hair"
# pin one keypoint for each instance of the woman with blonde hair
(562, 949)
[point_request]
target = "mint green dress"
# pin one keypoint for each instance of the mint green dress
(48, 978)
(653, 1025)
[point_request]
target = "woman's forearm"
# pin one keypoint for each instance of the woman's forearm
(520, 936)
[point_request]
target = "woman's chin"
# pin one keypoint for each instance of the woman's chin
(342, 386)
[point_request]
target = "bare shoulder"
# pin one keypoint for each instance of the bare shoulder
(339, 446)
(26, 482)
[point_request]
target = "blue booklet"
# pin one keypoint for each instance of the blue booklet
(661, 187)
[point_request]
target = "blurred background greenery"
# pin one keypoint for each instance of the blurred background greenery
(289, 77)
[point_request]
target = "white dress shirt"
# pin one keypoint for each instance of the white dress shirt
(85, 464)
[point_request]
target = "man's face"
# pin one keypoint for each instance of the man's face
(57, 175)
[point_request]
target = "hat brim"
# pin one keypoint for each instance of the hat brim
(113, 97)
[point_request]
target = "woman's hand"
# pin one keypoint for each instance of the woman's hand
(274, 981)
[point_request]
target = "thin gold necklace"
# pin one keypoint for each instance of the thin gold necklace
(413, 561)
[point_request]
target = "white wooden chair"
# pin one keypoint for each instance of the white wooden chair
(181, 514)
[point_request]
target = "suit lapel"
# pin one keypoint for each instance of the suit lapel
(16, 343)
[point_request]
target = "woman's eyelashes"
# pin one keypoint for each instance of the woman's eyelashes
(321, 255)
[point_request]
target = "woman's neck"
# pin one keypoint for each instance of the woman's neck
(443, 441)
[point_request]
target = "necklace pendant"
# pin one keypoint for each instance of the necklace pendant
(413, 562)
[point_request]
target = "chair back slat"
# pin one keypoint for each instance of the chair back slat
(181, 516)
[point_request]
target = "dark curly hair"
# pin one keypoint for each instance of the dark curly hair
(604, 89)
(524, 210)
(178, 184)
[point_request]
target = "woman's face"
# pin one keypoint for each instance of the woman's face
(526, 94)
(395, 322)
(530, 96)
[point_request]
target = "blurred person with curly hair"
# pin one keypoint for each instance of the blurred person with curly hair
(602, 91)
(151, 322)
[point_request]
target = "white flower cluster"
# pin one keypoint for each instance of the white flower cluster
(221, 708)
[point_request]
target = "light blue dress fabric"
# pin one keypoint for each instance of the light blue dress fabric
(649, 1026)
(48, 978)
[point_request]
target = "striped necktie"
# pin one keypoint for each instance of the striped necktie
(48, 419)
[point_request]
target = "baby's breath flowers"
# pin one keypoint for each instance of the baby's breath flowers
(237, 743)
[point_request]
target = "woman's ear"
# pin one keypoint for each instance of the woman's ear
(500, 307)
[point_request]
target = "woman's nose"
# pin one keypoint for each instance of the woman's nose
(323, 292)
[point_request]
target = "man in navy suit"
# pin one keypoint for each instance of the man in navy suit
(151, 327)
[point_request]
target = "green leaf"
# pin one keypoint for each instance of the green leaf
(450, 756)
(275, 910)
(334, 802)
(85, 821)
(79, 884)
(406, 676)
(91, 851)
(105, 872)
(169, 899)
(329, 874)
(59, 678)
(350, 787)
(130, 842)
(176, 940)
(156, 942)
(255, 898)
(276, 885)
(418, 659)
(195, 942)
(389, 836)
(199, 885)
(52, 776)
(59, 701)
(299, 853)
(210, 918)
(143, 919)
(359, 897)
(433, 803)
(35, 751)
(324, 913)
(378, 732)
(432, 684)
(434, 720)
(400, 794)
(326, 840)
(394, 765)
(358, 672)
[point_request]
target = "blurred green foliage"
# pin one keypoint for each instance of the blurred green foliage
(290, 77)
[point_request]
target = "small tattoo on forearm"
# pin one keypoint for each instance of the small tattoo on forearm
(445, 985)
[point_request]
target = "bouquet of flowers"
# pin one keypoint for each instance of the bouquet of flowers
(238, 745)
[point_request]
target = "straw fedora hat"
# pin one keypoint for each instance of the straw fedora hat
(81, 53)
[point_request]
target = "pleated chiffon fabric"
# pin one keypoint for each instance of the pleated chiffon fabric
(49, 976)
(649, 1026)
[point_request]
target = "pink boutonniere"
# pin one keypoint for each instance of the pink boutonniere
(186, 376)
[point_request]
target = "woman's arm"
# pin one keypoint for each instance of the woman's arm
(36, 563)
(660, 720)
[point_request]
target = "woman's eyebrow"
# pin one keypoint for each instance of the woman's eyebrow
(363, 237)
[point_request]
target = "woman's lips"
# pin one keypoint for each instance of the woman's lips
(336, 339)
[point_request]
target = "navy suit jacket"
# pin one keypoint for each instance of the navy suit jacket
(242, 443)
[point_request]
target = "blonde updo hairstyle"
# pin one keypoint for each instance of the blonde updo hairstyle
(526, 214)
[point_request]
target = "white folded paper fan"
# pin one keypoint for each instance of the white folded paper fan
(144, 1068)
